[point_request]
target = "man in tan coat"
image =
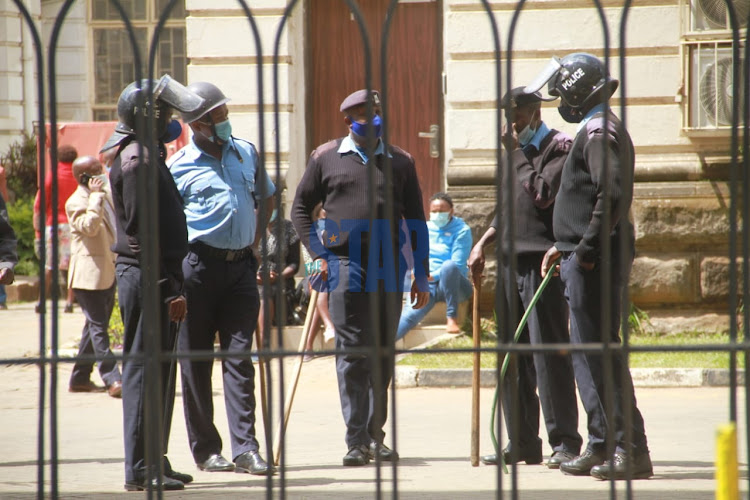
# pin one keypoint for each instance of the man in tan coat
(92, 273)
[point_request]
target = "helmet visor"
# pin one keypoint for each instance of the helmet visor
(544, 76)
(177, 95)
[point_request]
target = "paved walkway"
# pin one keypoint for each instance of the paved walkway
(433, 434)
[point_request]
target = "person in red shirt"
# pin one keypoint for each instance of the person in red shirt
(66, 185)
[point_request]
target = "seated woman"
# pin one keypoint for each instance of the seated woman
(283, 256)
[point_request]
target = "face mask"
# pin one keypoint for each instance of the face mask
(174, 130)
(361, 128)
(320, 225)
(440, 219)
(569, 114)
(525, 136)
(223, 131)
(274, 214)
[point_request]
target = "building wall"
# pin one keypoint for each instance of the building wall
(19, 98)
(680, 275)
(233, 63)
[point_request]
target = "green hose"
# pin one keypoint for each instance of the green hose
(506, 360)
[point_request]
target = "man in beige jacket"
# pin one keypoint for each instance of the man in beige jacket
(92, 273)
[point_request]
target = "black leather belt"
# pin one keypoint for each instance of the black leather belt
(207, 251)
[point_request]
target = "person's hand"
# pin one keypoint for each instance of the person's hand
(417, 298)
(259, 278)
(177, 309)
(549, 258)
(587, 266)
(476, 263)
(272, 276)
(6, 276)
(96, 185)
(510, 138)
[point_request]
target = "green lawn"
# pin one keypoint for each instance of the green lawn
(425, 359)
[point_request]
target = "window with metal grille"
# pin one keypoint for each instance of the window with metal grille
(112, 54)
(708, 64)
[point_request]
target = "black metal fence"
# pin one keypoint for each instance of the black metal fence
(268, 92)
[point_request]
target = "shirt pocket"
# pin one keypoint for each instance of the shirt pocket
(202, 197)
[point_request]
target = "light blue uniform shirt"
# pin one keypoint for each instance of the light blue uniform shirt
(539, 135)
(451, 242)
(348, 146)
(219, 195)
(599, 108)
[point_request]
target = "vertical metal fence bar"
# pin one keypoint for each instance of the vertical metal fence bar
(390, 312)
(42, 137)
(745, 316)
(626, 252)
(734, 180)
(280, 332)
(501, 305)
(509, 180)
(51, 74)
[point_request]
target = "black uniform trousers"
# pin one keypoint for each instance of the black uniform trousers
(133, 373)
(97, 308)
(360, 392)
(221, 296)
(551, 373)
(584, 293)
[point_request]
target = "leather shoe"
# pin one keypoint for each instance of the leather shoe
(559, 457)
(88, 386)
(386, 454)
(641, 467)
(582, 464)
(357, 455)
(252, 463)
(115, 389)
(179, 476)
(216, 463)
(489, 459)
(166, 484)
(532, 455)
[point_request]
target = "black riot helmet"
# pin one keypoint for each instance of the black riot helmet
(580, 80)
(212, 96)
(167, 93)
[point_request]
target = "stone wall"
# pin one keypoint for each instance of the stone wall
(680, 274)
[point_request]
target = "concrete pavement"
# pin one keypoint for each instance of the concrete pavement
(433, 438)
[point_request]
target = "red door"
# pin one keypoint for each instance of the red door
(413, 75)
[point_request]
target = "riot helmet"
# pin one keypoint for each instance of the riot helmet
(212, 96)
(580, 80)
(166, 92)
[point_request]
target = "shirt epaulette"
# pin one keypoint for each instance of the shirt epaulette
(173, 159)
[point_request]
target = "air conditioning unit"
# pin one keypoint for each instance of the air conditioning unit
(712, 94)
(710, 15)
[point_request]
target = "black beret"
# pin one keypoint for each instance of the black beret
(359, 97)
(518, 97)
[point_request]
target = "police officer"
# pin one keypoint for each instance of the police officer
(537, 154)
(221, 182)
(337, 176)
(593, 204)
(133, 108)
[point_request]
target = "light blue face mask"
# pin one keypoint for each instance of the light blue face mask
(525, 136)
(440, 219)
(223, 131)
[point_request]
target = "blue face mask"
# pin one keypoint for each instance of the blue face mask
(440, 219)
(223, 131)
(174, 130)
(274, 214)
(361, 128)
(525, 136)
